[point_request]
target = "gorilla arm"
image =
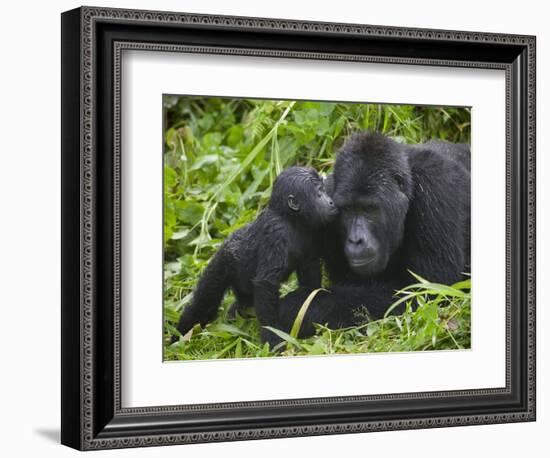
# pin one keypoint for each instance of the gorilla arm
(309, 273)
(272, 271)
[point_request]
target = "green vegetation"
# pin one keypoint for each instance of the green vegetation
(221, 157)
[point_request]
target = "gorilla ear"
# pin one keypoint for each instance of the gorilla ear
(400, 182)
(293, 203)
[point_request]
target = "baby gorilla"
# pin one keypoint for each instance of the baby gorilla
(257, 258)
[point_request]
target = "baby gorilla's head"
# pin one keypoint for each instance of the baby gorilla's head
(299, 192)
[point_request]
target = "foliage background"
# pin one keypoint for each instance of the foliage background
(221, 157)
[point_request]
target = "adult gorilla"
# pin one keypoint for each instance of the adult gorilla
(402, 208)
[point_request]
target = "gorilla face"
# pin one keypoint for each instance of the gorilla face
(371, 190)
(300, 193)
(363, 242)
(320, 206)
(371, 228)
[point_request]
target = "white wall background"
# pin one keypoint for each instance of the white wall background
(30, 214)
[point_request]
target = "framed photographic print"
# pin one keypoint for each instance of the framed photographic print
(277, 228)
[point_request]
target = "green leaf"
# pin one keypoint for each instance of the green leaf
(372, 328)
(303, 310)
(418, 277)
(299, 117)
(229, 328)
(436, 288)
(203, 161)
(286, 337)
(224, 350)
(312, 115)
(169, 220)
(234, 135)
(326, 108)
(180, 234)
(464, 284)
(189, 212)
(239, 349)
(170, 176)
(323, 126)
(318, 348)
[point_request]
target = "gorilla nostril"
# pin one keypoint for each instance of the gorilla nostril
(355, 240)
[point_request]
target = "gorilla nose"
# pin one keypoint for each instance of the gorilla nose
(356, 240)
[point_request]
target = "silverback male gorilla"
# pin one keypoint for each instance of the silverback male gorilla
(401, 208)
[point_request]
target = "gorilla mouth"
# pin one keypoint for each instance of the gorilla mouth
(364, 266)
(331, 215)
(361, 262)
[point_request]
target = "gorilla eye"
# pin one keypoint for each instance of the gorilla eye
(319, 191)
(293, 203)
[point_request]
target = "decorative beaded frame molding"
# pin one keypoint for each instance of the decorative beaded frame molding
(85, 425)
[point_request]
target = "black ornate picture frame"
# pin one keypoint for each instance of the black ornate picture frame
(92, 42)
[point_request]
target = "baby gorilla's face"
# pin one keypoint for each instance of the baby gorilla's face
(322, 205)
(299, 192)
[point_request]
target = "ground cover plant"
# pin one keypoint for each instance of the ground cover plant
(220, 160)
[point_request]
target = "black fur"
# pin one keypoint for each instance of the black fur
(254, 260)
(401, 208)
